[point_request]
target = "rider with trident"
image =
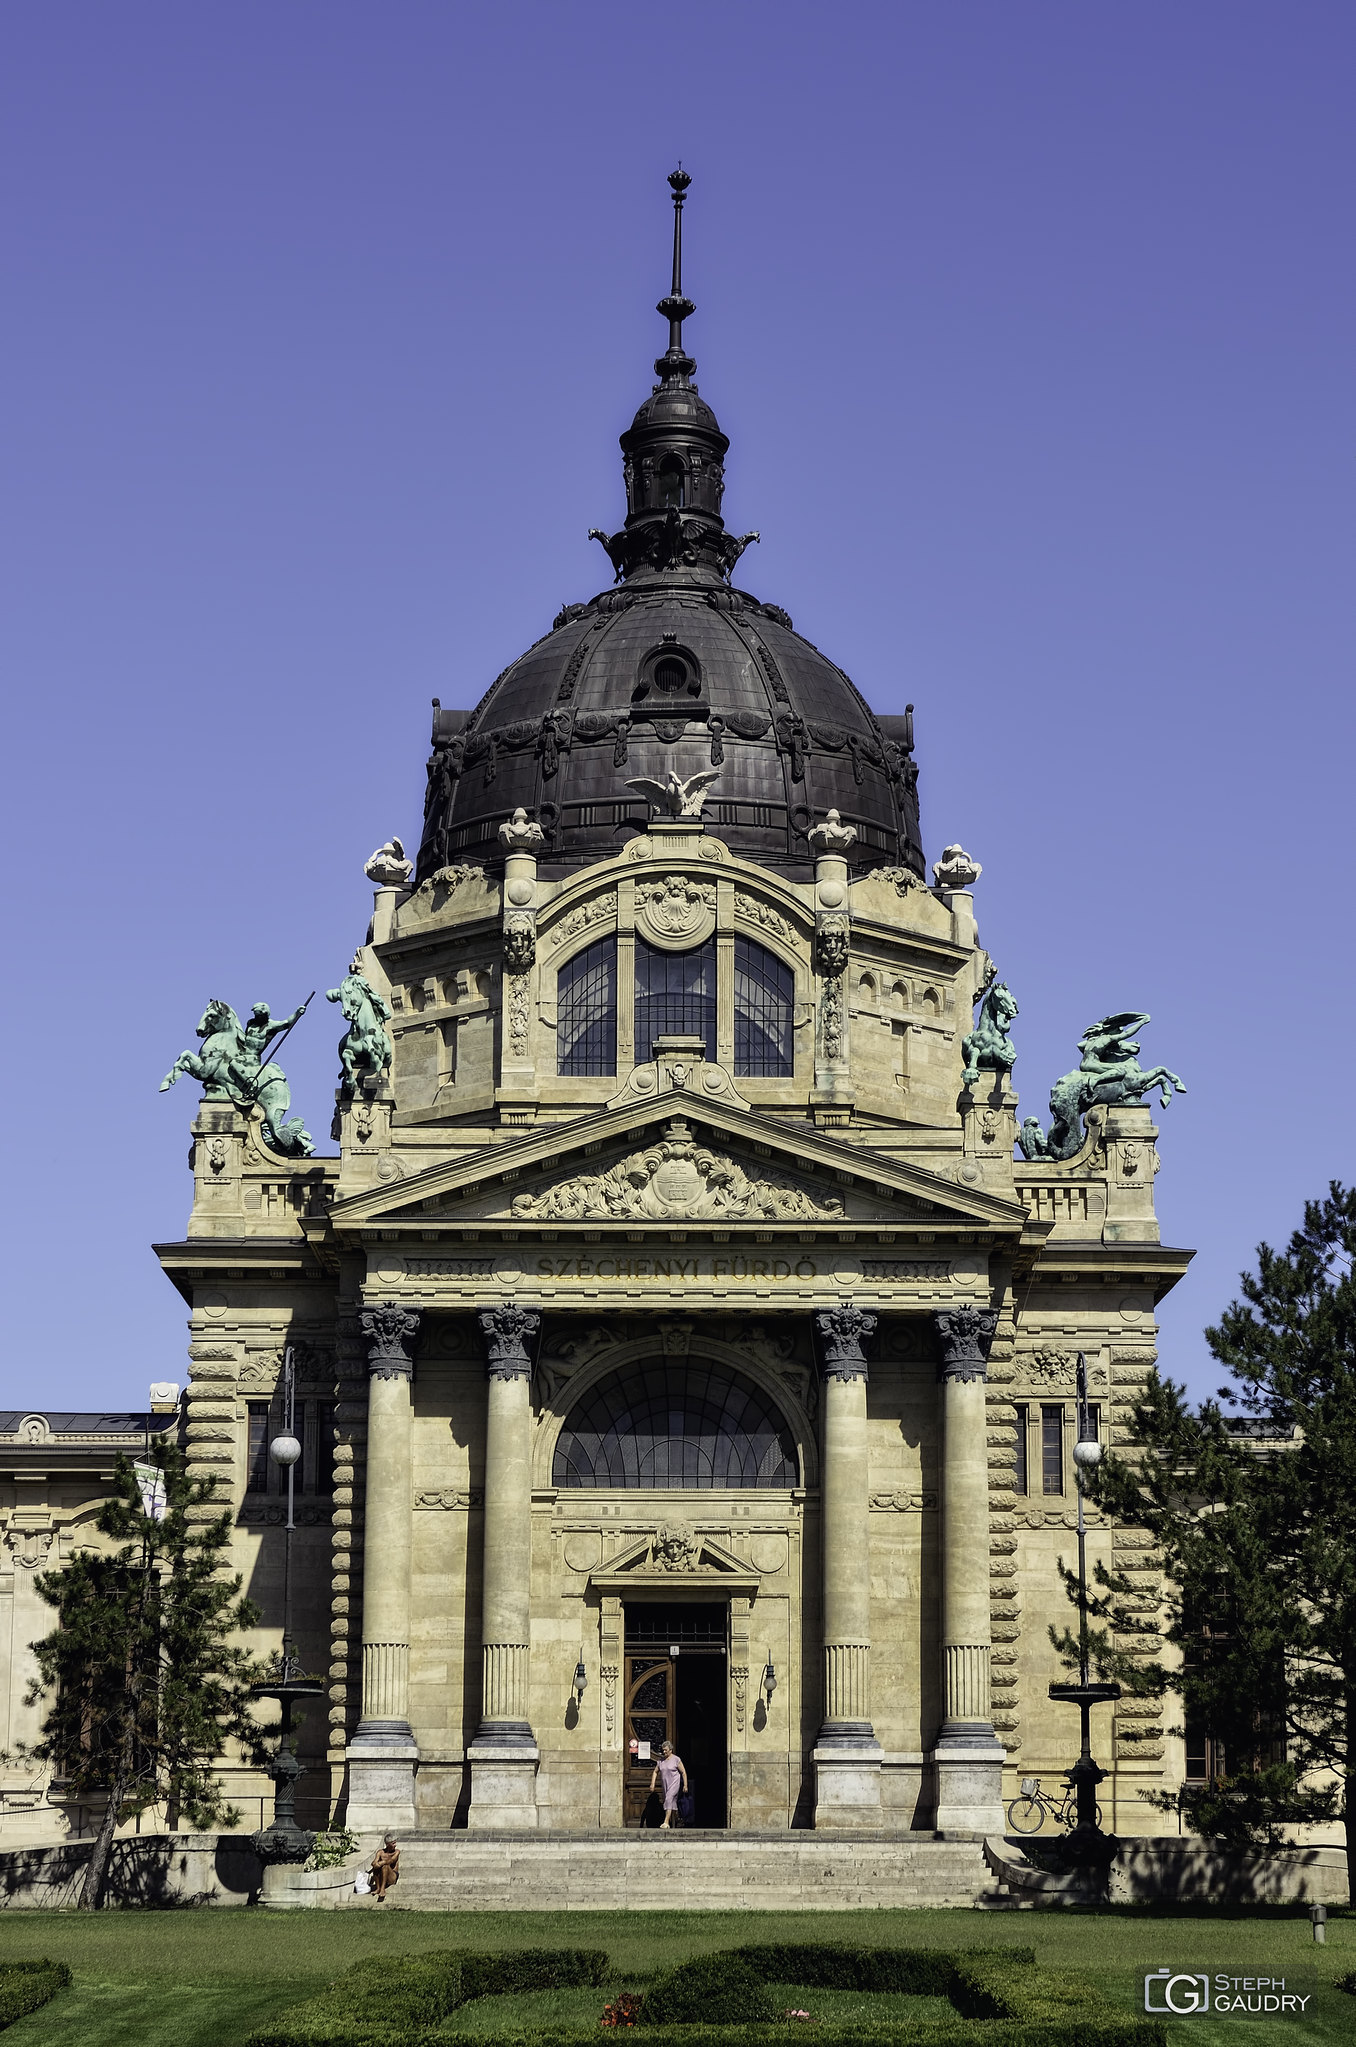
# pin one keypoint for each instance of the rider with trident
(233, 1065)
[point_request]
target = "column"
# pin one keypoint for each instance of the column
(504, 1754)
(968, 1758)
(382, 1755)
(847, 1756)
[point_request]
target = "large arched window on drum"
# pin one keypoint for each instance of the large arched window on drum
(682, 1424)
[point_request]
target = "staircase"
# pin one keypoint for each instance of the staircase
(654, 1871)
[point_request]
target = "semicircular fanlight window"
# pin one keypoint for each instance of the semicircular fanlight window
(656, 1425)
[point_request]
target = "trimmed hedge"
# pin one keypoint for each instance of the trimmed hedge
(838, 1965)
(397, 2000)
(720, 1990)
(720, 2000)
(28, 1986)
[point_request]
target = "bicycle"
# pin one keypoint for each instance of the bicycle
(1026, 1815)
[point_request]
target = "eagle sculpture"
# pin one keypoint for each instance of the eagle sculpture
(674, 797)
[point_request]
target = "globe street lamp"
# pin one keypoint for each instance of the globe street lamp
(1087, 1845)
(283, 1840)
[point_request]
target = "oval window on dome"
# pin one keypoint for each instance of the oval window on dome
(670, 1424)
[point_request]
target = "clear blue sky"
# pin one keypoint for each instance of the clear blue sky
(1032, 327)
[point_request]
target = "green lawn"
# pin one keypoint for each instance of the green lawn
(204, 1978)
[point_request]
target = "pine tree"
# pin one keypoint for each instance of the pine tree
(1256, 1529)
(146, 1684)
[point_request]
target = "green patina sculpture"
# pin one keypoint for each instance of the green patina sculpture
(988, 1048)
(1108, 1072)
(365, 1050)
(232, 1065)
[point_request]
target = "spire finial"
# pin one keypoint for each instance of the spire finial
(675, 365)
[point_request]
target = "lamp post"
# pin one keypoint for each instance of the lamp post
(1087, 1844)
(283, 1840)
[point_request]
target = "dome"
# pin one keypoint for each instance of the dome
(672, 670)
(675, 671)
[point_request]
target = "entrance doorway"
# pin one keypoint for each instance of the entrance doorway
(677, 1690)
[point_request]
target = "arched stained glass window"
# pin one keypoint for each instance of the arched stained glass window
(675, 996)
(656, 1425)
(764, 996)
(586, 1010)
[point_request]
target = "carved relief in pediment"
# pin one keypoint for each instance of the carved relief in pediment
(675, 1178)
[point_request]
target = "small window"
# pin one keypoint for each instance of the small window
(317, 1446)
(764, 997)
(1052, 1449)
(672, 483)
(1021, 1483)
(670, 675)
(257, 1464)
(586, 1011)
(675, 996)
(1204, 1756)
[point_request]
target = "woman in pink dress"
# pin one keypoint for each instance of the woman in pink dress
(669, 1772)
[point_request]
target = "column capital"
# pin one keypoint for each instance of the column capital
(965, 1334)
(842, 1332)
(506, 1330)
(388, 1327)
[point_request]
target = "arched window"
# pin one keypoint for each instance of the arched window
(672, 482)
(764, 995)
(686, 1424)
(586, 1011)
(675, 996)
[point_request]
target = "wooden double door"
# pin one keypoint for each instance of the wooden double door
(677, 1689)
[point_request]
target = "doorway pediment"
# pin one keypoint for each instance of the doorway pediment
(676, 1562)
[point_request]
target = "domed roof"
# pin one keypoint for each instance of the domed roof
(676, 405)
(674, 670)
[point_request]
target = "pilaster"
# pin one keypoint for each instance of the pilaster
(833, 1094)
(517, 1091)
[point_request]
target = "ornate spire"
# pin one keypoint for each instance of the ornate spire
(675, 366)
(675, 459)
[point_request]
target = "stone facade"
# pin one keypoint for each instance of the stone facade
(492, 1246)
(715, 1380)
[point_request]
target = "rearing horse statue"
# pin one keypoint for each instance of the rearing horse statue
(365, 1050)
(988, 1048)
(1108, 1072)
(231, 1066)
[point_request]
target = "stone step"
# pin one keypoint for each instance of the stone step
(659, 1871)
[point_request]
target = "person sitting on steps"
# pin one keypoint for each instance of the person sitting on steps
(385, 1869)
(670, 1771)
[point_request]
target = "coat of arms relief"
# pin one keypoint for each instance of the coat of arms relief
(676, 1177)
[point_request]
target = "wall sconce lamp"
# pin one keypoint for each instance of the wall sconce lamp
(769, 1680)
(581, 1680)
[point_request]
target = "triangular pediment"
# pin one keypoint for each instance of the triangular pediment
(678, 1161)
(678, 1561)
